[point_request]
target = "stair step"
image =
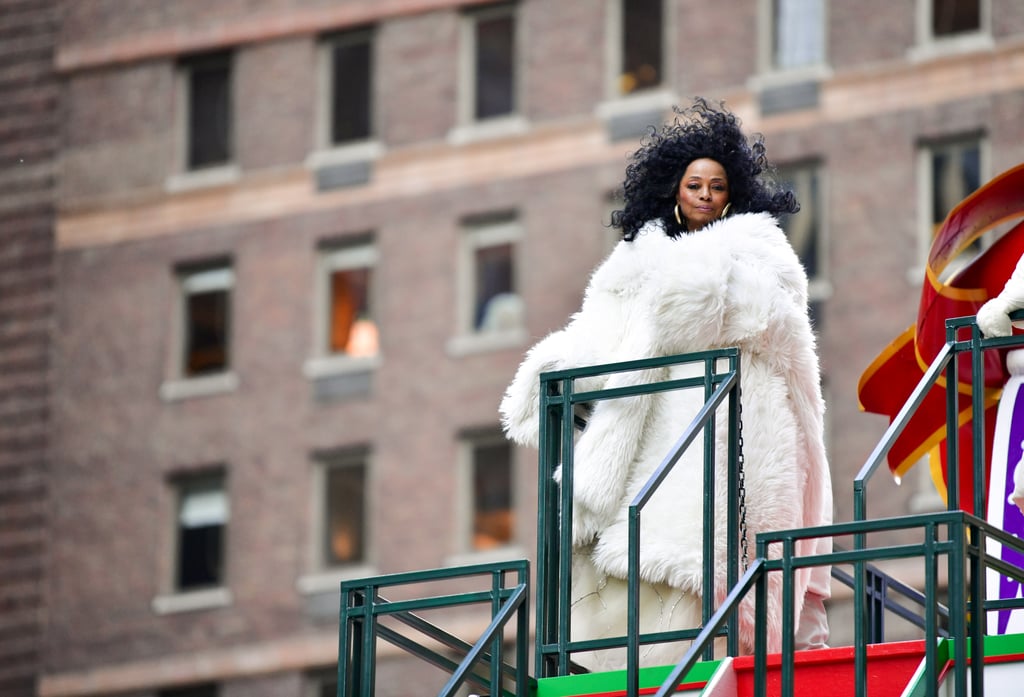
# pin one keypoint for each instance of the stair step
(821, 673)
(830, 672)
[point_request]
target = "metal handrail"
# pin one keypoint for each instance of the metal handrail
(881, 587)
(964, 547)
(558, 404)
(362, 606)
(943, 361)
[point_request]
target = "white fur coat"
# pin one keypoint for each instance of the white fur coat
(736, 282)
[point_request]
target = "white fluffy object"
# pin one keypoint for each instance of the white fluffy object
(739, 283)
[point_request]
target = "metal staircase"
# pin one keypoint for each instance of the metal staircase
(496, 661)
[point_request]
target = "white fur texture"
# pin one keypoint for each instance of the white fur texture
(994, 316)
(737, 282)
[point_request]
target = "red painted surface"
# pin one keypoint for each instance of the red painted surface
(830, 672)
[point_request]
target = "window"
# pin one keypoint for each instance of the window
(206, 321)
(613, 201)
(202, 519)
(343, 507)
(641, 49)
(208, 106)
(494, 305)
(951, 17)
(951, 169)
(322, 683)
(805, 230)
(492, 519)
(348, 323)
(955, 173)
(952, 26)
(207, 690)
(489, 40)
(350, 67)
(797, 34)
(489, 311)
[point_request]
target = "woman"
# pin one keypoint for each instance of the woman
(703, 264)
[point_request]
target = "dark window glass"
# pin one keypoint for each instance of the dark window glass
(327, 686)
(804, 227)
(209, 690)
(955, 16)
(956, 173)
(345, 529)
(207, 319)
(642, 28)
(493, 517)
(495, 67)
(202, 520)
(351, 113)
(209, 111)
(494, 272)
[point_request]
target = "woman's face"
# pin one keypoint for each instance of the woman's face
(703, 193)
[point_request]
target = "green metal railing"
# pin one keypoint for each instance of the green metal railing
(964, 545)
(884, 595)
(560, 405)
(362, 608)
(945, 366)
(957, 536)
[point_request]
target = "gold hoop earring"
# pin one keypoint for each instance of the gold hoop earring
(725, 211)
(679, 218)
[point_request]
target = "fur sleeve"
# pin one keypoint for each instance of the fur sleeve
(590, 338)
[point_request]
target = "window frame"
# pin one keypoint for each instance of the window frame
(359, 251)
(477, 233)
(928, 46)
(185, 177)
(925, 230)
(770, 71)
(819, 286)
(200, 689)
(328, 44)
(468, 127)
(175, 599)
(326, 152)
(322, 576)
(614, 28)
(647, 105)
(190, 278)
(468, 441)
(317, 678)
(185, 487)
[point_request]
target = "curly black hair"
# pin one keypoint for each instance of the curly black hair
(698, 131)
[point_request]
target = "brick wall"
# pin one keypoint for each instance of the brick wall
(28, 142)
(117, 443)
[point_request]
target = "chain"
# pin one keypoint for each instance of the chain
(741, 491)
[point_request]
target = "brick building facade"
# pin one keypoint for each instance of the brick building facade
(302, 245)
(28, 148)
